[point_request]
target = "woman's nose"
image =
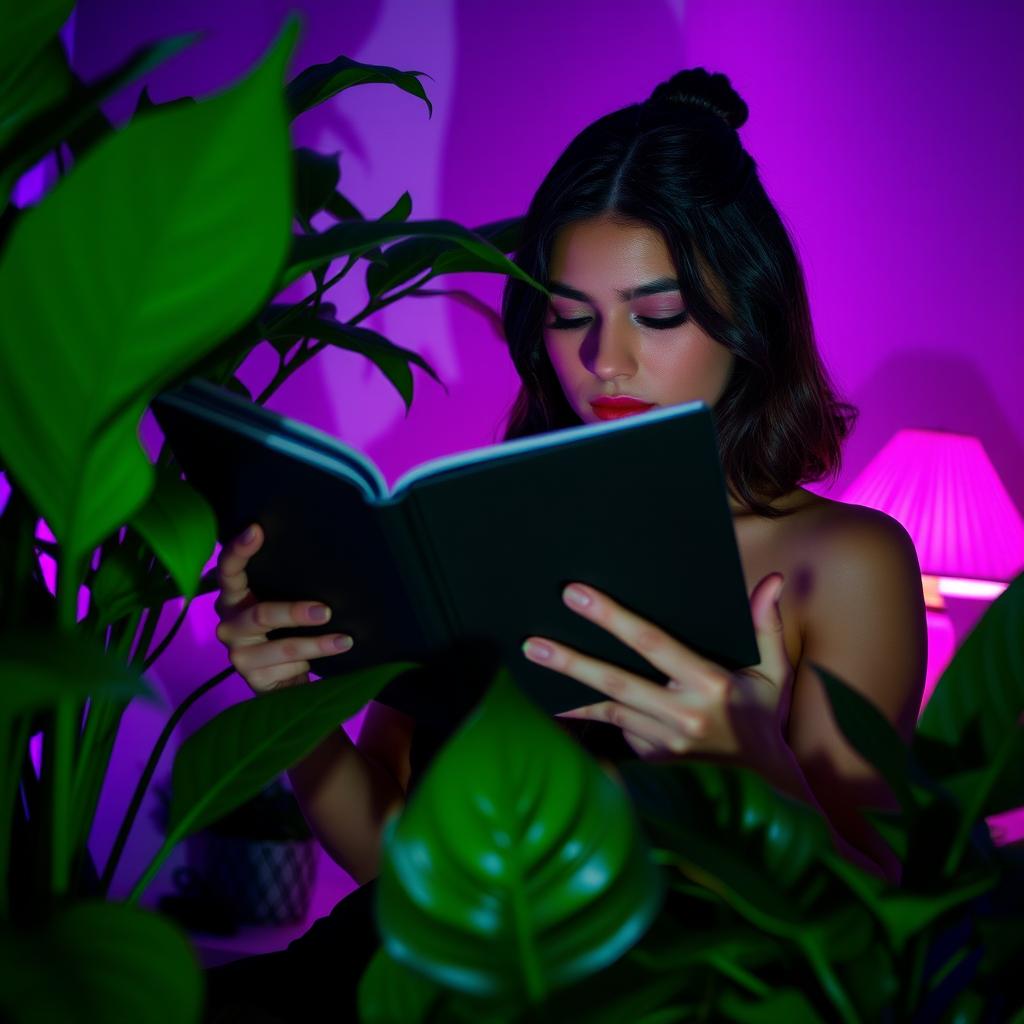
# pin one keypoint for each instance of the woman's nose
(607, 351)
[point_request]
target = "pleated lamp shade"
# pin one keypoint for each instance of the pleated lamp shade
(944, 490)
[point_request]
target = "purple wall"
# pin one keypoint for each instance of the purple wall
(889, 135)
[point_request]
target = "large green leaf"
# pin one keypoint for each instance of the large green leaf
(179, 525)
(782, 1004)
(322, 81)
(516, 867)
(164, 239)
(407, 259)
(358, 237)
(870, 733)
(392, 360)
(978, 704)
(96, 963)
(39, 670)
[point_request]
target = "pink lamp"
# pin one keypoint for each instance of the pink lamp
(968, 533)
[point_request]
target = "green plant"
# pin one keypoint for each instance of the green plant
(157, 256)
(761, 920)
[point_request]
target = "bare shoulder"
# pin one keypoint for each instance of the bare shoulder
(863, 606)
(858, 543)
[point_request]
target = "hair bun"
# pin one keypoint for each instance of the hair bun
(711, 92)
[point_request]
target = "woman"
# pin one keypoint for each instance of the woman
(672, 279)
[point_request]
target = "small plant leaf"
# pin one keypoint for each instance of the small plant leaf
(100, 962)
(357, 238)
(316, 178)
(516, 867)
(180, 527)
(322, 81)
(392, 360)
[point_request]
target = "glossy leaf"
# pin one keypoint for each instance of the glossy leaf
(355, 238)
(322, 81)
(978, 704)
(164, 239)
(100, 962)
(342, 209)
(516, 867)
(392, 360)
(39, 670)
(316, 178)
(407, 259)
(770, 840)
(870, 733)
(235, 754)
(180, 527)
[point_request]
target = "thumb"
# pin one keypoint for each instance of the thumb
(767, 617)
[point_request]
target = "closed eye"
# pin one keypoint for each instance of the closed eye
(662, 323)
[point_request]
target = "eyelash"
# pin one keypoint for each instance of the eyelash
(655, 323)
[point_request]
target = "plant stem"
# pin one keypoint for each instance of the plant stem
(140, 789)
(18, 735)
(165, 643)
(64, 738)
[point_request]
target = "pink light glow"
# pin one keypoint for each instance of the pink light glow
(983, 590)
(49, 568)
(946, 493)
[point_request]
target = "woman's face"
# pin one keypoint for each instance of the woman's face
(617, 322)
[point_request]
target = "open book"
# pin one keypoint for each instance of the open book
(478, 546)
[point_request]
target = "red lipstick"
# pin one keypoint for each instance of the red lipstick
(613, 407)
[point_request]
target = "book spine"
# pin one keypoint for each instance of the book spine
(414, 556)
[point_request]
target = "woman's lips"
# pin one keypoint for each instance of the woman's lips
(616, 408)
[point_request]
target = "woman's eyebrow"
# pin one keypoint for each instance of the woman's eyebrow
(662, 284)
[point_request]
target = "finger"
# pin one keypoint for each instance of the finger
(629, 720)
(254, 622)
(651, 642)
(231, 575)
(288, 650)
(625, 687)
(771, 639)
(641, 746)
(266, 679)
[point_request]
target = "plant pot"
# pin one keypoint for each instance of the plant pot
(258, 881)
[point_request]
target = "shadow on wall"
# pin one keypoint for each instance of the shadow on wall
(931, 390)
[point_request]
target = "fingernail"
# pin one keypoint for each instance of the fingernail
(343, 643)
(249, 536)
(320, 613)
(537, 649)
(577, 597)
(779, 589)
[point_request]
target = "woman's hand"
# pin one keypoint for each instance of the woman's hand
(704, 709)
(244, 623)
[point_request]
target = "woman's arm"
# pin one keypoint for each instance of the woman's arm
(347, 791)
(864, 621)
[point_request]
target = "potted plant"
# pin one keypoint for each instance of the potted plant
(171, 238)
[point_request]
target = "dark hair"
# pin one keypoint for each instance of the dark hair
(676, 163)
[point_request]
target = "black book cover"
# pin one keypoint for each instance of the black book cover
(476, 548)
